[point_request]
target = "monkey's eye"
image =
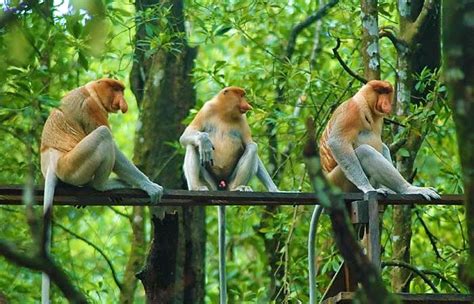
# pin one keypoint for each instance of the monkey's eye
(225, 92)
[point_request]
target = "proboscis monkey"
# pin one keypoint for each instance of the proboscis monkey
(351, 149)
(77, 146)
(220, 152)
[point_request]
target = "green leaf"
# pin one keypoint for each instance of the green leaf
(222, 30)
(149, 29)
(83, 61)
(404, 152)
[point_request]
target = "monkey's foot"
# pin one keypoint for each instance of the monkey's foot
(383, 191)
(242, 188)
(201, 188)
(427, 192)
(387, 190)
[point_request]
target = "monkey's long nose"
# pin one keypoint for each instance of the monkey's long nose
(244, 107)
(123, 106)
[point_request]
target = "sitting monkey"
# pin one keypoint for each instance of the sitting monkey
(351, 147)
(220, 152)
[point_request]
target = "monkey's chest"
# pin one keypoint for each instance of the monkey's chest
(370, 138)
(228, 150)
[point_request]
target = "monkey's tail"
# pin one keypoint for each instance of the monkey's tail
(48, 196)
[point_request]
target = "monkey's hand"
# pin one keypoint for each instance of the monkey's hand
(205, 147)
(155, 191)
(427, 192)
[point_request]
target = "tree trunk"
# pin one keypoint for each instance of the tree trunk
(174, 269)
(420, 48)
(459, 74)
(137, 253)
(370, 39)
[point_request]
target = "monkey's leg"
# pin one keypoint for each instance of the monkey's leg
(245, 169)
(376, 166)
(91, 160)
(194, 172)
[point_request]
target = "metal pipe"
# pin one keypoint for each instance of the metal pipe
(222, 272)
(312, 252)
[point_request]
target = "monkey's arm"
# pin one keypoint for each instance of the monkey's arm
(127, 171)
(192, 136)
(265, 178)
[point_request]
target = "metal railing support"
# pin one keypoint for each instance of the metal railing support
(222, 256)
(312, 252)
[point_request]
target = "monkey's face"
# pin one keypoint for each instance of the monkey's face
(384, 103)
(110, 92)
(381, 92)
(235, 100)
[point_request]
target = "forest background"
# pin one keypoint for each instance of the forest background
(173, 56)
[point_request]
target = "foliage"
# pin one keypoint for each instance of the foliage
(49, 50)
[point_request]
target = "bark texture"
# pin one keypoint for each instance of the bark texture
(459, 73)
(418, 47)
(370, 39)
(161, 81)
(137, 254)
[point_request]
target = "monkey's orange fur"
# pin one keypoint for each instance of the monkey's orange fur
(81, 111)
(358, 121)
(222, 117)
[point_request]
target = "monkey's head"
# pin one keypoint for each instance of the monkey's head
(110, 94)
(233, 100)
(379, 95)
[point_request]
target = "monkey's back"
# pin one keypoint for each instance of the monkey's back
(60, 133)
(328, 163)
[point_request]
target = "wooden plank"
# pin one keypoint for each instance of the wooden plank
(430, 298)
(82, 196)
(411, 298)
(341, 281)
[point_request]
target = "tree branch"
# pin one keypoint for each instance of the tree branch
(366, 273)
(43, 264)
(413, 269)
(430, 235)
(100, 251)
(344, 65)
(442, 278)
(389, 33)
(428, 6)
(323, 11)
(394, 147)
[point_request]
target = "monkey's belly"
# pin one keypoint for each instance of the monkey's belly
(369, 138)
(226, 155)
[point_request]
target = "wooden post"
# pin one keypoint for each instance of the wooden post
(373, 237)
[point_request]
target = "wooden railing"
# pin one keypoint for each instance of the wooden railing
(75, 196)
(368, 204)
